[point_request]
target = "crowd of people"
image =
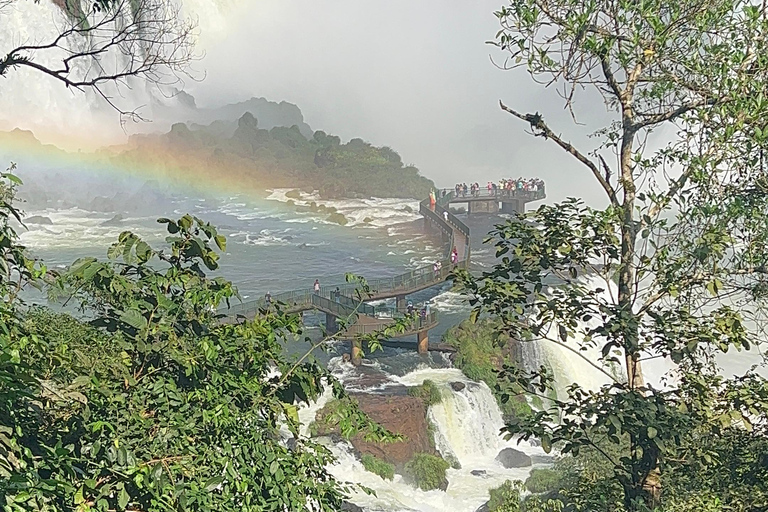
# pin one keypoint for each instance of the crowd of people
(504, 187)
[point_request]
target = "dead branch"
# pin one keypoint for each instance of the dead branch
(101, 48)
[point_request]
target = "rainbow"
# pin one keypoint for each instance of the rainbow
(188, 172)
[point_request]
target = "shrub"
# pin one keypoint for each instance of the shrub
(506, 497)
(427, 471)
(543, 480)
(378, 467)
(428, 392)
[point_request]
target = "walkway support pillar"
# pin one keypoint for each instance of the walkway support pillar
(400, 302)
(357, 353)
(331, 326)
(423, 337)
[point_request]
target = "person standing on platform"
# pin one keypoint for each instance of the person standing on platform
(317, 286)
(432, 200)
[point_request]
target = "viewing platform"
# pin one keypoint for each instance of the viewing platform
(491, 201)
(348, 314)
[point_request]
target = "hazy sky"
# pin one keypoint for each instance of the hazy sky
(414, 75)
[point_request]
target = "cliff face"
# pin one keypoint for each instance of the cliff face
(404, 415)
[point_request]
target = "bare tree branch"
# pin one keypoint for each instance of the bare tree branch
(537, 123)
(101, 48)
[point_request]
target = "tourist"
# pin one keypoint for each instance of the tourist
(337, 294)
(268, 299)
(423, 316)
(436, 270)
(432, 200)
(454, 256)
(445, 215)
(317, 286)
(426, 307)
(409, 308)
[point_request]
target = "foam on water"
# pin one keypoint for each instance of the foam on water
(78, 228)
(381, 212)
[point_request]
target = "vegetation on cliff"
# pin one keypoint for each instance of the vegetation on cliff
(377, 466)
(427, 471)
(427, 391)
(281, 157)
(481, 351)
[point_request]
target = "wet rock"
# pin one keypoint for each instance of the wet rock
(483, 508)
(511, 458)
(114, 221)
(346, 506)
(479, 472)
(404, 415)
(38, 219)
(458, 386)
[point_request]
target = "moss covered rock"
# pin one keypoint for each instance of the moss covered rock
(427, 472)
(378, 467)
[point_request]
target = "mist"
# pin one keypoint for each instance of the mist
(416, 76)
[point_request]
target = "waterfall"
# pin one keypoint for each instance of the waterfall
(33, 101)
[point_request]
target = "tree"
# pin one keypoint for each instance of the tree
(104, 44)
(684, 233)
(155, 403)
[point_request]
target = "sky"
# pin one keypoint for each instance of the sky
(416, 76)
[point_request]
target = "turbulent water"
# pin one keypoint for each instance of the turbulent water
(275, 246)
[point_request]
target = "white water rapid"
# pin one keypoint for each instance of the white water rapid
(467, 425)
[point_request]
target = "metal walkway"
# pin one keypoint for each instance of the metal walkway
(351, 305)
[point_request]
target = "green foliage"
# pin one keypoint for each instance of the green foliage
(282, 157)
(542, 480)
(427, 471)
(343, 416)
(683, 236)
(378, 467)
(427, 391)
(478, 349)
(506, 497)
(154, 404)
(481, 350)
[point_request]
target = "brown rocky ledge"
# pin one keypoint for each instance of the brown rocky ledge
(404, 415)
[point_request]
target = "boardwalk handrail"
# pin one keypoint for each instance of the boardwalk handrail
(498, 193)
(345, 306)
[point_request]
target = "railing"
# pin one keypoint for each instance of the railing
(345, 306)
(498, 193)
(416, 324)
(438, 215)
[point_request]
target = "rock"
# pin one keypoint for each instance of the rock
(483, 508)
(479, 472)
(293, 194)
(405, 415)
(338, 218)
(511, 458)
(38, 219)
(346, 506)
(458, 386)
(114, 221)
